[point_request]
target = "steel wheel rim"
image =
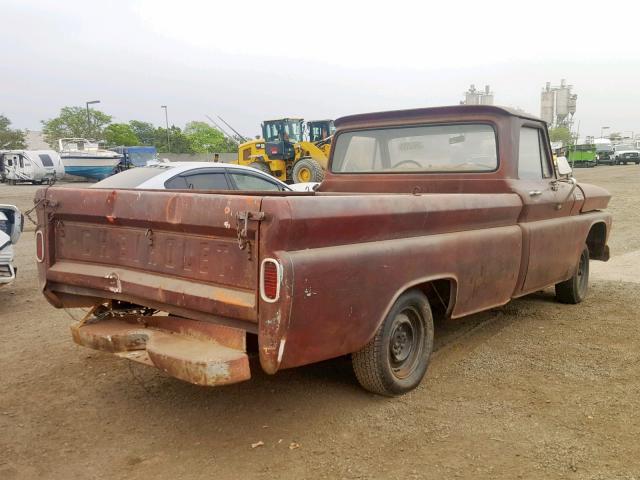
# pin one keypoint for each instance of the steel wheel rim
(583, 272)
(406, 342)
(304, 174)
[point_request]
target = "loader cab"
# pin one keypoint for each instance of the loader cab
(280, 136)
(320, 130)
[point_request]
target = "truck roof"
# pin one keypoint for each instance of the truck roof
(424, 114)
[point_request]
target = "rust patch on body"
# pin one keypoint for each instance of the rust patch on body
(198, 353)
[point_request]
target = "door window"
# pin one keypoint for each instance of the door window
(199, 181)
(251, 182)
(532, 158)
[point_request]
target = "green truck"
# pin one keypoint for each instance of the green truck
(582, 155)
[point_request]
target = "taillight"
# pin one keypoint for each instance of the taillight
(270, 278)
(39, 246)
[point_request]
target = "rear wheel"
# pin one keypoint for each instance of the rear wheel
(396, 359)
(575, 289)
(263, 167)
(307, 170)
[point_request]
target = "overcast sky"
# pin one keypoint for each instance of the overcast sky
(249, 61)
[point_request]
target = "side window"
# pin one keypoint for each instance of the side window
(252, 182)
(176, 183)
(207, 181)
(532, 157)
(46, 160)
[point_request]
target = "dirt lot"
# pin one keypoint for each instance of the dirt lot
(531, 390)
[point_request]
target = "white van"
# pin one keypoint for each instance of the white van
(33, 166)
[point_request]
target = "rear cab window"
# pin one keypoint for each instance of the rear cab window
(428, 148)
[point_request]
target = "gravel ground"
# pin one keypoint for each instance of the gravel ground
(534, 389)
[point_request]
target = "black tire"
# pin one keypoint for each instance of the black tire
(263, 167)
(307, 170)
(396, 359)
(575, 289)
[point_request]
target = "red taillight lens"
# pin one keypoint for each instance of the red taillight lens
(270, 280)
(39, 246)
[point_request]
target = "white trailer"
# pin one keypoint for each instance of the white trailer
(31, 166)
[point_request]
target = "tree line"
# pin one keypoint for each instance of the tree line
(73, 122)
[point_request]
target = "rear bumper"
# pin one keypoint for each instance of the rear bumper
(196, 352)
(7, 273)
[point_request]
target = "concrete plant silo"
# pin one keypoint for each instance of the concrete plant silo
(478, 97)
(547, 98)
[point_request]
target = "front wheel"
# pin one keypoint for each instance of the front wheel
(307, 170)
(396, 359)
(575, 289)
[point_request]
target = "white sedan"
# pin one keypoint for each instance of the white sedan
(199, 176)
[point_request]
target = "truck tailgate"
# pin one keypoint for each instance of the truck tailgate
(172, 248)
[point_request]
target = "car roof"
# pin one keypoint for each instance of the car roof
(182, 166)
(176, 168)
(424, 114)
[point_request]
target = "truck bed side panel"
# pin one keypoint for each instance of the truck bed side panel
(346, 259)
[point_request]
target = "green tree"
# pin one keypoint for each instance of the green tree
(120, 134)
(561, 134)
(73, 122)
(179, 141)
(10, 139)
(203, 138)
(145, 132)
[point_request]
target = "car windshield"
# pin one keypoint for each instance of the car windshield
(131, 178)
(434, 148)
(271, 132)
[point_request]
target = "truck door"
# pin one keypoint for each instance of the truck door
(548, 233)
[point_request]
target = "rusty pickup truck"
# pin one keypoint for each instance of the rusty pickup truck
(430, 212)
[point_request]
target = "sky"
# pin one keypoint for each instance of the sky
(249, 61)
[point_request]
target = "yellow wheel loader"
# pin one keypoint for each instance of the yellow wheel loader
(284, 153)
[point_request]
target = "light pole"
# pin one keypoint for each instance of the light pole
(89, 115)
(602, 129)
(166, 119)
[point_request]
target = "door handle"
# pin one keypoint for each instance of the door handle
(535, 193)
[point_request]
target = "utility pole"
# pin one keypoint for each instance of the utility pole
(166, 119)
(89, 114)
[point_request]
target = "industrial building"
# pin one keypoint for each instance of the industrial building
(478, 97)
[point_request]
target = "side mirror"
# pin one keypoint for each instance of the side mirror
(564, 169)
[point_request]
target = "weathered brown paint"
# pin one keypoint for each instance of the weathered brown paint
(196, 352)
(347, 251)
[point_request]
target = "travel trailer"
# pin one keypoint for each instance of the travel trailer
(30, 166)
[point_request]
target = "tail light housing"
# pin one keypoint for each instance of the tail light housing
(39, 246)
(270, 280)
